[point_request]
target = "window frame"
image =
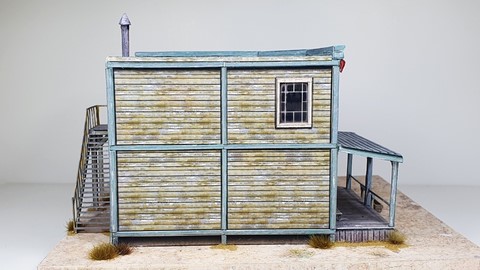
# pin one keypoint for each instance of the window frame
(309, 122)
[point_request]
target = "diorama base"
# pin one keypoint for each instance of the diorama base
(431, 244)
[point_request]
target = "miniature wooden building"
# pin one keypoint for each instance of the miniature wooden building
(227, 144)
(223, 143)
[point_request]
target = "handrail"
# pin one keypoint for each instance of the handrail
(375, 195)
(92, 119)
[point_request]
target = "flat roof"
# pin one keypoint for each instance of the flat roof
(352, 143)
(336, 52)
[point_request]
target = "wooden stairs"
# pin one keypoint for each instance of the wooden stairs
(91, 200)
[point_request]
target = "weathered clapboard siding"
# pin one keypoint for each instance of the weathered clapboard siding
(251, 107)
(167, 106)
(167, 190)
(278, 189)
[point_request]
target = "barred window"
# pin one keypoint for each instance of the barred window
(294, 103)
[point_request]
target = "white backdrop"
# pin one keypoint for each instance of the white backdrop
(411, 82)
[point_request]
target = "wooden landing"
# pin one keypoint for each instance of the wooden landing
(355, 215)
(358, 223)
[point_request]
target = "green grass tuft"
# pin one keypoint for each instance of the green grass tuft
(320, 241)
(105, 251)
(396, 238)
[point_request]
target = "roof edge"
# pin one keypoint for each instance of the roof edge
(336, 52)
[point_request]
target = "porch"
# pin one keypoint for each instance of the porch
(363, 212)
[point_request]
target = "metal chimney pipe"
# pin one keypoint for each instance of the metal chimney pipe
(125, 27)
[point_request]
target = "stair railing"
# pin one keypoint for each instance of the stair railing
(92, 119)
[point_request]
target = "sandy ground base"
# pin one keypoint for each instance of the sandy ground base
(431, 245)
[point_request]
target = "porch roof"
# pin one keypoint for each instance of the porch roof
(350, 142)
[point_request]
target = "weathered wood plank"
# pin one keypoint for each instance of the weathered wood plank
(162, 104)
(169, 189)
(169, 98)
(275, 189)
(144, 89)
(185, 130)
(172, 211)
(170, 205)
(168, 227)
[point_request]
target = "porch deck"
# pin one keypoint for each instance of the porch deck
(354, 214)
(358, 222)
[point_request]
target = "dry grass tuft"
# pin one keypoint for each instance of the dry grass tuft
(300, 253)
(385, 244)
(105, 251)
(70, 227)
(225, 246)
(396, 238)
(320, 241)
(124, 249)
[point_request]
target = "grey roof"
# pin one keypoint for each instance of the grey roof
(336, 52)
(351, 142)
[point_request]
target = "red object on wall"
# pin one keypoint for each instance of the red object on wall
(342, 65)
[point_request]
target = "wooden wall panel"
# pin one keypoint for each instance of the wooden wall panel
(169, 190)
(278, 189)
(167, 106)
(251, 107)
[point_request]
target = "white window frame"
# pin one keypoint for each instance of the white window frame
(308, 123)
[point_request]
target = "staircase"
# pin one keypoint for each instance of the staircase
(91, 200)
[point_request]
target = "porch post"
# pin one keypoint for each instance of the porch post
(368, 183)
(393, 194)
(348, 184)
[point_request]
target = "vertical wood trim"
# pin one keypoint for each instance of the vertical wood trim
(368, 182)
(335, 97)
(113, 194)
(393, 194)
(224, 168)
(224, 98)
(333, 188)
(348, 184)
(113, 155)
(112, 138)
(334, 152)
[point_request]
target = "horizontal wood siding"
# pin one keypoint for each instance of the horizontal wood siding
(169, 190)
(167, 106)
(251, 107)
(277, 189)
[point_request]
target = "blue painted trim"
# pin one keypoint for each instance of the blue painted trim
(224, 100)
(281, 232)
(348, 181)
(393, 194)
(194, 147)
(370, 154)
(169, 233)
(220, 232)
(113, 193)
(109, 75)
(198, 54)
(219, 64)
(367, 200)
(334, 51)
(335, 104)
(333, 188)
(224, 122)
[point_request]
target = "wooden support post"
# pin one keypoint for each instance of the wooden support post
(125, 26)
(368, 182)
(348, 184)
(393, 194)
